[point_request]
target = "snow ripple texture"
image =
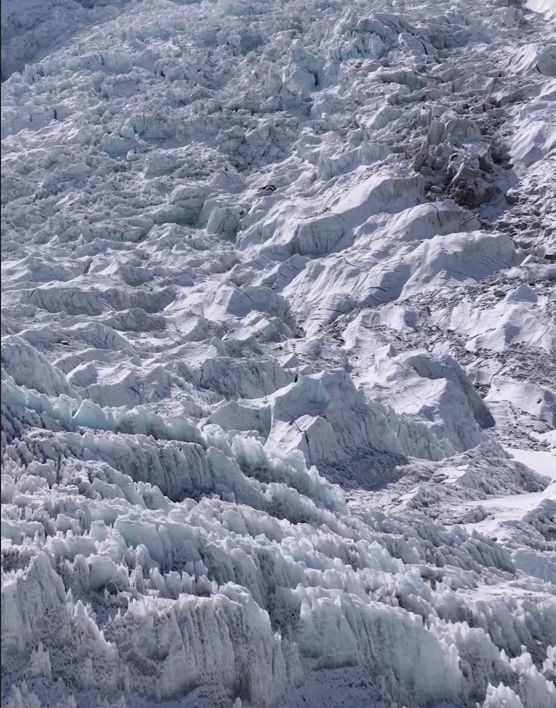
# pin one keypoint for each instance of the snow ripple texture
(278, 297)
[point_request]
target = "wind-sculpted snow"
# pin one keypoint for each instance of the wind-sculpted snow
(278, 343)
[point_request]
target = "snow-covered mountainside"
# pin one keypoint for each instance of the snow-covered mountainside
(278, 353)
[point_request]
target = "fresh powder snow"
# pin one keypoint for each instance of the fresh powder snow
(278, 353)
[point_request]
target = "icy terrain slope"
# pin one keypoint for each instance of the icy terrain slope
(278, 354)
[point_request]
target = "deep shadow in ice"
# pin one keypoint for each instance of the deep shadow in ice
(371, 471)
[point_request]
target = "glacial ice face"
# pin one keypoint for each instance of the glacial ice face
(278, 293)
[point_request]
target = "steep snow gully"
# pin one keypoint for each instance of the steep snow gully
(278, 353)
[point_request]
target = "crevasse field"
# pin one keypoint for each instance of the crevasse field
(278, 353)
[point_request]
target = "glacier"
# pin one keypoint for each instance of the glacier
(278, 353)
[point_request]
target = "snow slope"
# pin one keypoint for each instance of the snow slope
(278, 354)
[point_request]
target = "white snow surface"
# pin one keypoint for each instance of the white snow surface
(278, 353)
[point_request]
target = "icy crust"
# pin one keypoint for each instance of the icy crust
(113, 587)
(33, 28)
(278, 281)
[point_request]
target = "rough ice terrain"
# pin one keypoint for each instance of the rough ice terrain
(278, 353)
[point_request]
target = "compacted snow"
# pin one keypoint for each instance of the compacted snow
(278, 353)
